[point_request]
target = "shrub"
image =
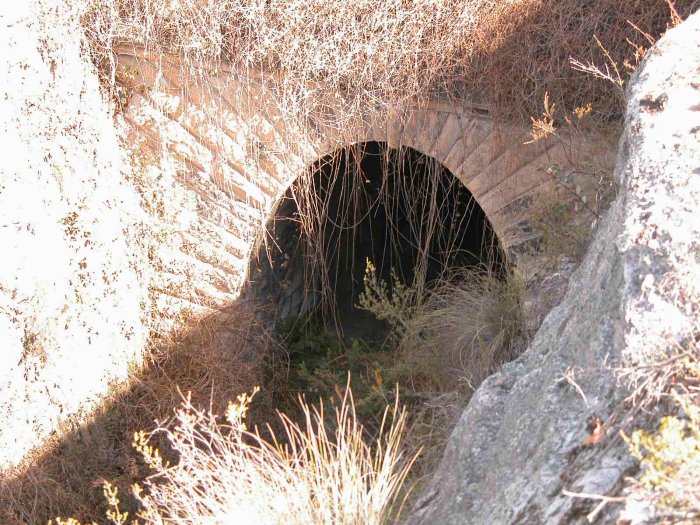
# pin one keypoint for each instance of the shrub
(670, 454)
(670, 460)
(461, 329)
(318, 362)
(224, 473)
(447, 340)
(566, 212)
(393, 302)
(567, 209)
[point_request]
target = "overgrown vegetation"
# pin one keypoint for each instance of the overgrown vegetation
(317, 363)
(566, 212)
(503, 55)
(337, 67)
(439, 345)
(224, 473)
(459, 330)
(309, 475)
(567, 208)
(668, 448)
(474, 320)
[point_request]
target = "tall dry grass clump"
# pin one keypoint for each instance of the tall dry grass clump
(457, 331)
(312, 475)
(446, 339)
(474, 320)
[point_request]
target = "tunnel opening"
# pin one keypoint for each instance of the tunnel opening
(446, 312)
(398, 209)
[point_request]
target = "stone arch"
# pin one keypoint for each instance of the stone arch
(498, 164)
(235, 142)
(279, 271)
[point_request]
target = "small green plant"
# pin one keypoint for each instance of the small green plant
(670, 455)
(317, 362)
(394, 304)
(670, 461)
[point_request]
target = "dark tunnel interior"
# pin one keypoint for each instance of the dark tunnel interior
(398, 208)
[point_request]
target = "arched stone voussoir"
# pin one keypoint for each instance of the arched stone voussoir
(422, 129)
(470, 134)
(257, 143)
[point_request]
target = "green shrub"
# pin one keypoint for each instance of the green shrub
(461, 329)
(670, 457)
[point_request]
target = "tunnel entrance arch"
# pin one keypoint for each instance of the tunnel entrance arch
(236, 155)
(397, 209)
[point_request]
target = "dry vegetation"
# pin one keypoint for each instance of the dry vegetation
(456, 333)
(476, 320)
(331, 66)
(446, 339)
(502, 56)
(663, 423)
(312, 474)
(570, 204)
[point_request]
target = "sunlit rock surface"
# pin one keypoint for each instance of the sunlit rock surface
(520, 442)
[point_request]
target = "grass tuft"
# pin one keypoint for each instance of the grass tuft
(473, 319)
(311, 474)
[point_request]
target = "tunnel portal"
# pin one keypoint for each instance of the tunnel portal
(397, 208)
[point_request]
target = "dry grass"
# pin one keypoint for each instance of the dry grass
(331, 65)
(571, 200)
(448, 339)
(455, 333)
(425, 213)
(227, 474)
(213, 360)
(472, 321)
(504, 55)
(568, 209)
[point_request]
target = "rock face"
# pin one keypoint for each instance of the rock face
(70, 289)
(519, 442)
(105, 241)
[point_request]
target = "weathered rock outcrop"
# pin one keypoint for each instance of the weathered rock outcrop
(519, 442)
(70, 290)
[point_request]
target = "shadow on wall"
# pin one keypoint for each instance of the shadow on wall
(215, 360)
